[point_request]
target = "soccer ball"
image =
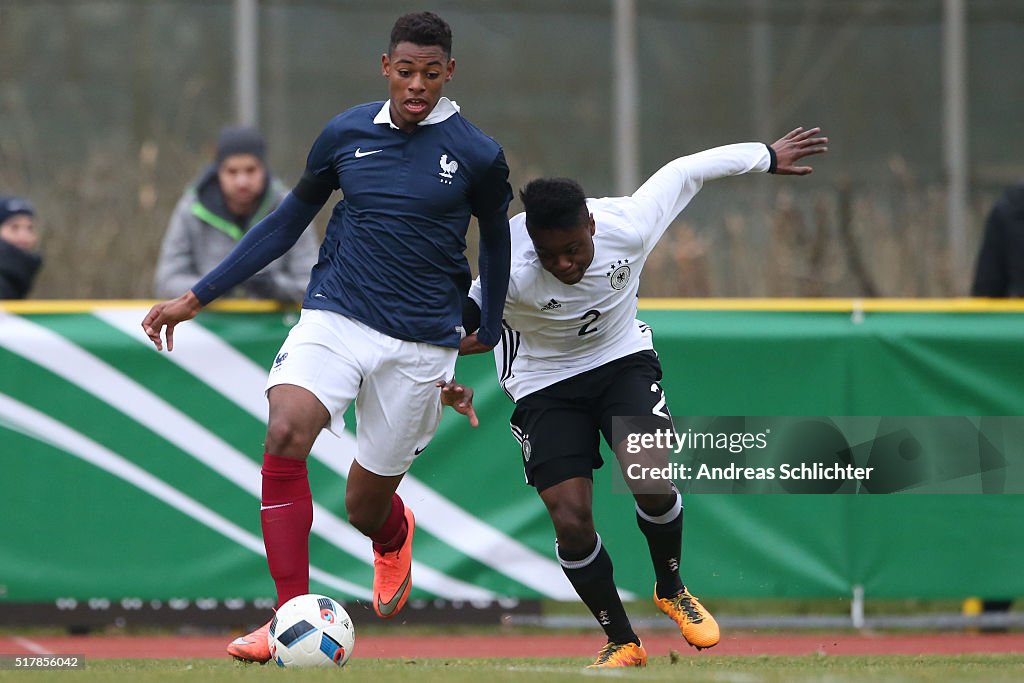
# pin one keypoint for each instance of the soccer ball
(311, 630)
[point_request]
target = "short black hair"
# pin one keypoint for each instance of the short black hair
(422, 28)
(554, 204)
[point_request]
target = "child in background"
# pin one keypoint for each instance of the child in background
(19, 260)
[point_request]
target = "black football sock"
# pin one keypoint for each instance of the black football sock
(593, 580)
(664, 534)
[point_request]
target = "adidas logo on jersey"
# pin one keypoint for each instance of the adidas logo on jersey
(551, 305)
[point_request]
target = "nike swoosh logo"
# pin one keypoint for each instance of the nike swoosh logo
(272, 507)
(360, 154)
(419, 450)
(387, 608)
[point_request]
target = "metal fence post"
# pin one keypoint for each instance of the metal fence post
(246, 74)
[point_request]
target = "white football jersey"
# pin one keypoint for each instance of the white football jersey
(553, 331)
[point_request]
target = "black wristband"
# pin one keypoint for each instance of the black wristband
(774, 164)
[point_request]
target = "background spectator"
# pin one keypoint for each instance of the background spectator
(230, 196)
(19, 260)
(1000, 269)
(1000, 273)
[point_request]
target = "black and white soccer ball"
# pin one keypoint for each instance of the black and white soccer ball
(311, 631)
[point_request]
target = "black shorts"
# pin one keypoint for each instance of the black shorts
(558, 426)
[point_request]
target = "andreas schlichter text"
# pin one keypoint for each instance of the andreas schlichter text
(733, 472)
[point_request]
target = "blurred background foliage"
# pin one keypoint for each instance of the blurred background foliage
(108, 108)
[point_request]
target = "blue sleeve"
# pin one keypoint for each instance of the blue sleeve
(275, 234)
(264, 242)
(320, 163)
(495, 259)
(490, 204)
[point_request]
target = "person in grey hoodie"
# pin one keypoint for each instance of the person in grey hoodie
(232, 194)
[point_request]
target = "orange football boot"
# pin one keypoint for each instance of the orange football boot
(696, 624)
(253, 647)
(620, 654)
(392, 574)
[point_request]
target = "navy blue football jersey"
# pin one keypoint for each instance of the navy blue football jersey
(393, 256)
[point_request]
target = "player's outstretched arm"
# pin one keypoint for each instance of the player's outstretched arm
(795, 145)
(261, 244)
(168, 314)
(460, 397)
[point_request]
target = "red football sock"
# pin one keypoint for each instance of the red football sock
(390, 537)
(287, 516)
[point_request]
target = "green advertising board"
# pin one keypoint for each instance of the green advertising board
(132, 473)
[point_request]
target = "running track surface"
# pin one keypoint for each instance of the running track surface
(543, 645)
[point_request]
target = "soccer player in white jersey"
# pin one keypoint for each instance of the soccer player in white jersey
(573, 356)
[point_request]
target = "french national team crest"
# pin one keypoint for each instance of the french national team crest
(448, 169)
(618, 274)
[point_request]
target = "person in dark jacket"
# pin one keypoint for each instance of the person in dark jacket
(1000, 269)
(19, 260)
(1000, 274)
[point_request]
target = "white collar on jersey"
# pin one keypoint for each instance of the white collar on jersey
(444, 109)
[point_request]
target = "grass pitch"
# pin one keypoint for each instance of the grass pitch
(817, 669)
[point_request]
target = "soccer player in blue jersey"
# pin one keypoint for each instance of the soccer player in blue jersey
(382, 317)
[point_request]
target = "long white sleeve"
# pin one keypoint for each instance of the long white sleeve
(666, 193)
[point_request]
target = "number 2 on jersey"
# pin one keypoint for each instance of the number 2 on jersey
(591, 317)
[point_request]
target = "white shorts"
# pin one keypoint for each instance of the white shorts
(398, 406)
